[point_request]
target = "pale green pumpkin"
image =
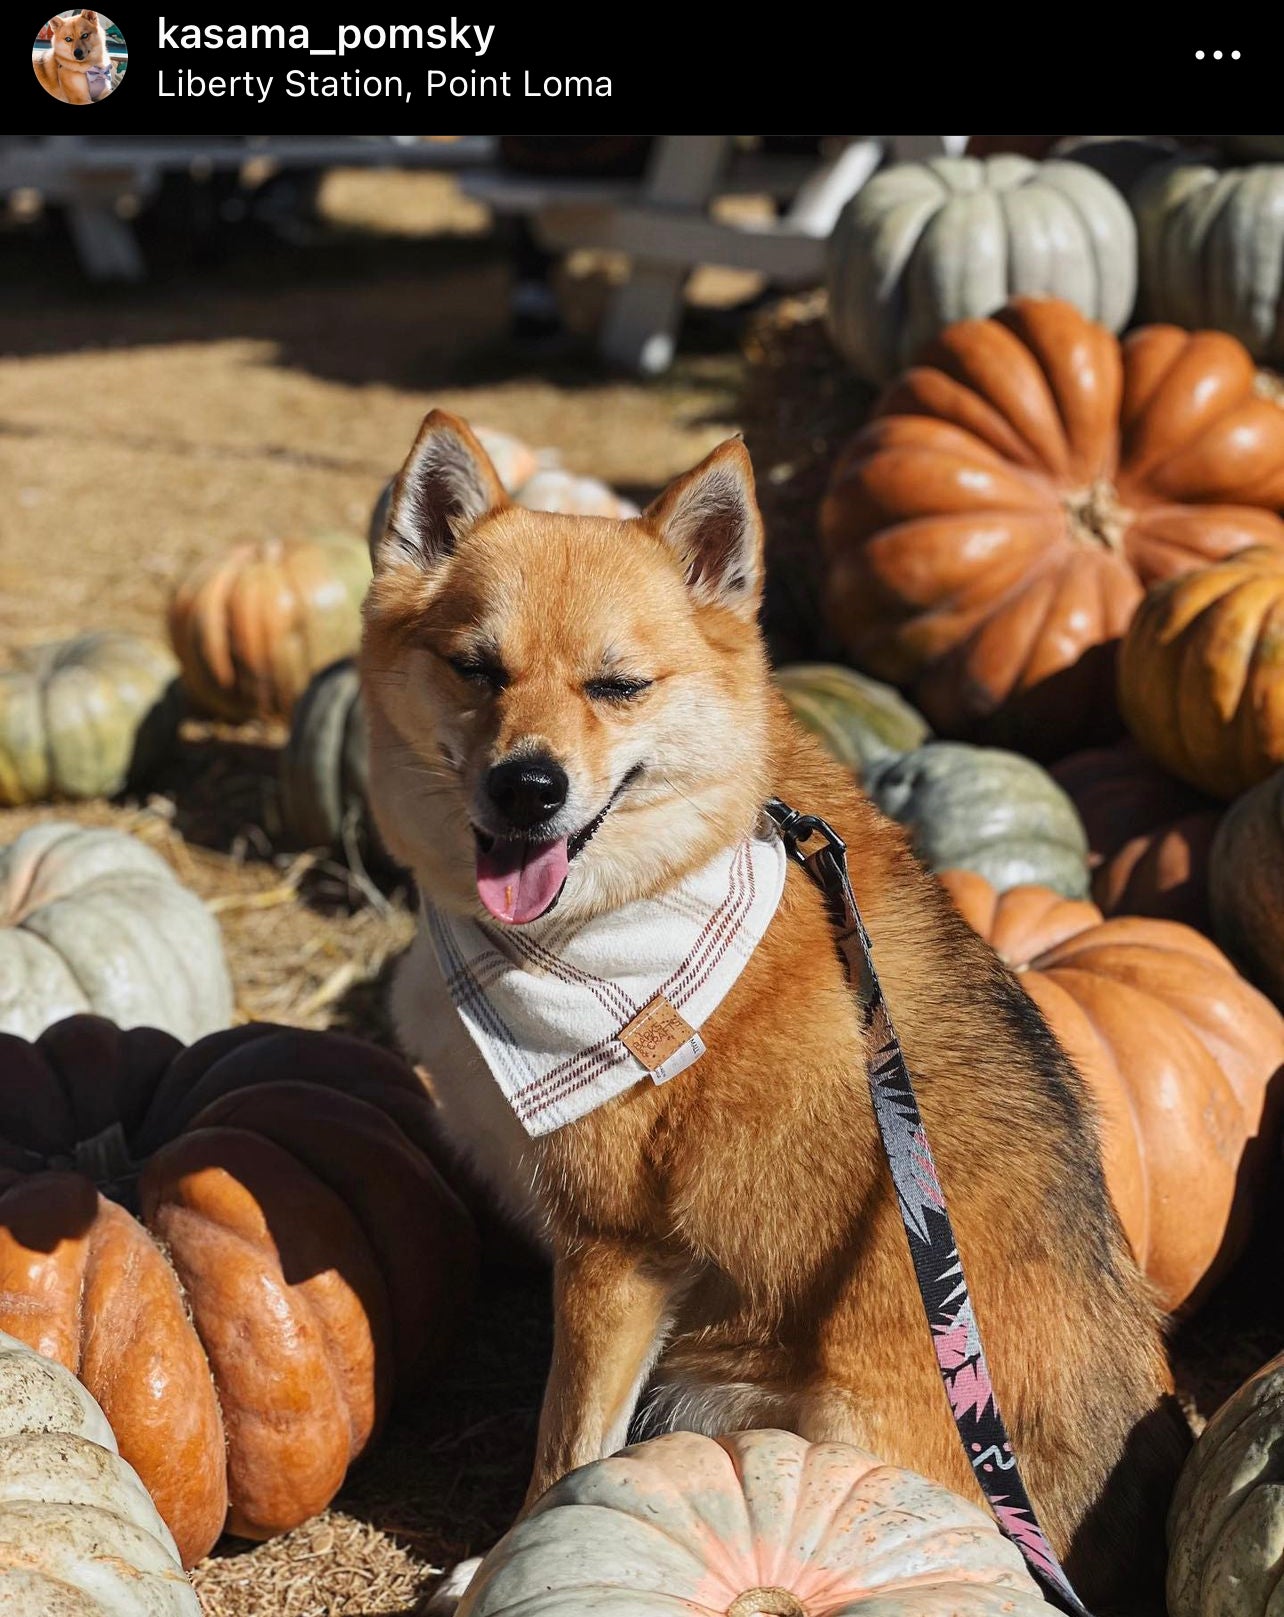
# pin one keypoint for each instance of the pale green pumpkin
(93, 920)
(954, 238)
(85, 717)
(985, 810)
(1211, 244)
(860, 720)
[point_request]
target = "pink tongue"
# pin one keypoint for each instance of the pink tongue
(518, 881)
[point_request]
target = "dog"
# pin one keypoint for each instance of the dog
(573, 714)
(77, 68)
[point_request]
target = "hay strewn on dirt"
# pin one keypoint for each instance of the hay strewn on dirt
(273, 391)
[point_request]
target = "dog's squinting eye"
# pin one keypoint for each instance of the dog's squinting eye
(482, 671)
(615, 689)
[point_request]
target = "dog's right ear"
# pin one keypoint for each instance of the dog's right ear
(445, 487)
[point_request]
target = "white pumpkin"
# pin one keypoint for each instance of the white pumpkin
(79, 1536)
(761, 1524)
(92, 920)
(556, 490)
(953, 238)
(541, 484)
(1211, 245)
(1226, 1525)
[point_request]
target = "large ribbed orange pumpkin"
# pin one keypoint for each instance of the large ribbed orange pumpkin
(1149, 835)
(1185, 1061)
(238, 1247)
(991, 530)
(250, 627)
(1201, 673)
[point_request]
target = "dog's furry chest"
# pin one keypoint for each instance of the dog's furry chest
(479, 1124)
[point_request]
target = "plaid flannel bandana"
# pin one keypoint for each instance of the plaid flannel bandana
(569, 1014)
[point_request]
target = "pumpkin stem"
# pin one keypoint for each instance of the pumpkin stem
(1096, 515)
(766, 1603)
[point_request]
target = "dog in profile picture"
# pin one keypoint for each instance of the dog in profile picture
(79, 57)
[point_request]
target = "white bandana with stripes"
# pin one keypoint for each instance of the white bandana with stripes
(546, 1003)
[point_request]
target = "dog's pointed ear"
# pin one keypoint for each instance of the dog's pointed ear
(89, 16)
(709, 517)
(445, 487)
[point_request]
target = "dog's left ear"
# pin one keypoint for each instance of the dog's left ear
(709, 516)
(89, 16)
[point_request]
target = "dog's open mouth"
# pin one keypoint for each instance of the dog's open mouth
(520, 878)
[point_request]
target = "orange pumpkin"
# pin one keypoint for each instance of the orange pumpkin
(1149, 836)
(1184, 1059)
(991, 530)
(1201, 674)
(250, 627)
(237, 1247)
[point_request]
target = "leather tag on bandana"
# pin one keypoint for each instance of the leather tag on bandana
(662, 1040)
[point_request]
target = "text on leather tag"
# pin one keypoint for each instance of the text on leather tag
(657, 1033)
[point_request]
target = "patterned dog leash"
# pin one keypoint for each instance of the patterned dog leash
(941, 1282)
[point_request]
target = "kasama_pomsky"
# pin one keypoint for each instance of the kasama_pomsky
(726, 1247)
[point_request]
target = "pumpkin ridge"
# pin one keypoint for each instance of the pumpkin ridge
(1061, 580)
(376, 1309)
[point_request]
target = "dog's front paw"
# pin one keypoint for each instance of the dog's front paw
(452, 1588)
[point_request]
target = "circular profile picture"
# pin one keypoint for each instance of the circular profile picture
(80, 57)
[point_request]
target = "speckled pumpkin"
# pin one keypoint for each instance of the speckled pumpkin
(251, 626)
(1149, 835)
(79, 1536)
(85, 717)
(238, 1247)
(1184, 1059)
(991, 530)
(983, 809)
(859, 719)
(760, 1524)
(1201, 673)
(1226, 1525)
(1246, 884)
(325, 764)
(92, 920)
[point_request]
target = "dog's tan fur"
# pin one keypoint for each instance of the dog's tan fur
(732, 1235)
(58, 70)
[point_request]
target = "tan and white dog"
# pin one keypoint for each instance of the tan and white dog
(578, 712)
(77, 67)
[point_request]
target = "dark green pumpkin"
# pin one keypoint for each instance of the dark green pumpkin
(860, 720)
(85, 717)
(325, 764)
(1246, 884)
(986, 810)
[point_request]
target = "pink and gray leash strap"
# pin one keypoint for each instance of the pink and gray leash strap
(939, 1269)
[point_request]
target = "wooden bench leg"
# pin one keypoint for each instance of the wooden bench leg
(641, 327)
(105, 243)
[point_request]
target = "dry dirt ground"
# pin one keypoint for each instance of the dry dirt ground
(268, 388)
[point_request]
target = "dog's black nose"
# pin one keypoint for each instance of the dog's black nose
(527, 790)
(79, 54)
